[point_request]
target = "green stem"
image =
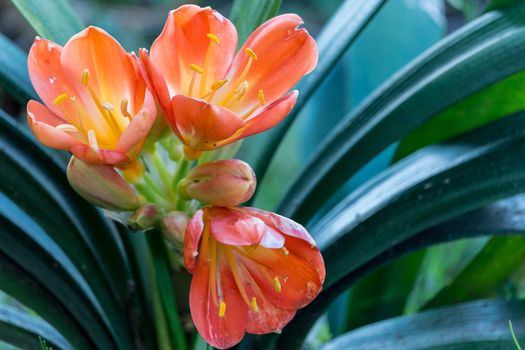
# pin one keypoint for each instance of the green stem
(167, 295)
(163, 174)
(183, 165)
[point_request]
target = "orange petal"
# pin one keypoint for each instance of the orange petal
(284, 55)
(111, 75)
(43, 124)
(184, 41)
(220, 332)
(299, 279)
(233, 227)
(156, 82)
(268, 117)
(139, 127)
(192, 239)
(100, 156)
(201, 125)
(46, 74)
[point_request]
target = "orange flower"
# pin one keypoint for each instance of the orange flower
(212, 98)
(252, 270)
(96, 102)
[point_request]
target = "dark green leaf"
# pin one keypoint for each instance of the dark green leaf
(481, 54)
(54, 20)
(471, 326)
(248, 15)
(427, 188)
(344, 27)
(24, 331)
(13, 71)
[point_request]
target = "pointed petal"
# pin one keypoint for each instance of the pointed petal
(156, 82)
(45, 71)
(233, 227)
(284, 55)
(192, 239)
(220, 332)
(43, 124)
(102, 186)
(282, 224)
(299, 281)
(139, 127)
(202, 125)
(269, 116)
(184, 41)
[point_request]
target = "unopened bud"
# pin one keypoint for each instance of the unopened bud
(145, 217)
(174, 226)
(102, 185)
(224, 183)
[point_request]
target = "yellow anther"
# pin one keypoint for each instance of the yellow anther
(218, 84)
(213, 38)
(92, 138)
(242, 90)
(253, 305)
(277, 284)
(250, 53)
(262, 101)
(107, 106)
(66, 128)
(60, 98)
(222, 309)
(124, 108)
(197, 68)
(285, 251)
(85, 77)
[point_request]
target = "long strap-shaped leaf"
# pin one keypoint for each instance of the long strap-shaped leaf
(16, 282)
(337, 36)
(427, 188)
(479, 325)
(13, 71)
(482, 53)
(248, 14)
(23, 331)
(54, 20)
(39, 188)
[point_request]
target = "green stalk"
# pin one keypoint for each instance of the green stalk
(165, 289)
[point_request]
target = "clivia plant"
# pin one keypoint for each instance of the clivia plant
(187, 258)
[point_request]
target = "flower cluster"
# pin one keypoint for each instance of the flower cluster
(143, 131)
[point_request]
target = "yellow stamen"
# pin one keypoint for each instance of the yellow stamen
(242, 90)
(222, 309)
(213, 38)
(214, 275)
(66, 128)
(92, 138)
(77, 111)
(84, 79)
(60, 98)
(277, 284)
(250, 53)
(253, 305)
(197, 68)
(218, 84)
(262, 101)
(285, 251)
(107, 106)
(124, 109)
(237, 276)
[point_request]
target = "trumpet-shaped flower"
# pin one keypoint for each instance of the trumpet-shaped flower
(96, 104)
(212, 97)
(252, 270)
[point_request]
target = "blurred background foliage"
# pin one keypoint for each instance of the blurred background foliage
(401, 31)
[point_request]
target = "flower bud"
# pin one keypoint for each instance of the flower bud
(223, 183)
(145, 217)
(174, 226)
(102, 185)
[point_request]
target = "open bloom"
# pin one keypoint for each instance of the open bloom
(252, 270)
(96, 104)
(211, 97)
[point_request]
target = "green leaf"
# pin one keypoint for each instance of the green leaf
(39, 187)
(54, 20)
(25, 331)
(344, 27)
(425, 189)
(248, 15)
(14, 78)
(501, 4)
(481, 54)
(478, 325)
